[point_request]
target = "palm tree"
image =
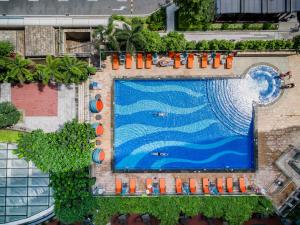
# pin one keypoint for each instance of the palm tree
(49, 71)
(73, 70)
(131, 38)
(106, 35)
(19, 70)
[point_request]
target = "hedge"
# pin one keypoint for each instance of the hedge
(175, 41)
(234, 209)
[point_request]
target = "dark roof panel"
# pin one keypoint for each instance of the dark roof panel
(257, 6)
(228, 6)
(252, 6)
(276, 6)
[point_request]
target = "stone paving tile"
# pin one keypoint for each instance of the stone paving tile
(277, 124)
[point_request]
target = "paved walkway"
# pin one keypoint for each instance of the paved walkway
(170, 12)
(66, 110)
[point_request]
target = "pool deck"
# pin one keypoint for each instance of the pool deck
(278, 126)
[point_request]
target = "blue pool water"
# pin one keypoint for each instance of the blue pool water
(206, 124)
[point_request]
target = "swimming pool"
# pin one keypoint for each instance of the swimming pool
(194, 125)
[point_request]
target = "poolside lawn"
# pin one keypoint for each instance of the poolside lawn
(9, 135)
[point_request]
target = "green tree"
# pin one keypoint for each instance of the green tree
(49, 71)
(196, 11)
(202, 45)
(157, 20)
(74, 70)
(130, 38)
(153, 41)
(68, 149)
(19, 70)
(73, 199)
(174, 41)
(105, 35)
(6, 48)
(191, 45)
(9, 115)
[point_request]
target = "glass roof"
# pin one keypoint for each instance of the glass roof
(24, 189)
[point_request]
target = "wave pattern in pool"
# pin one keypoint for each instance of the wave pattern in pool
(205, 124)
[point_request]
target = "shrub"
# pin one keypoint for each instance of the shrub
(6, 48)
(225, 26)
(167, 209)
(153, 41)
(296, 42)
(68, 149)
(191, 45)
(71, 192)
(138, 20)
(174, 41)
(267, 26)
(9, 115)
(202, 45)
(246, 26)
(157, 20)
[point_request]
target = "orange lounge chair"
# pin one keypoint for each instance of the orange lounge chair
(139, 61)
(192, 186)
(177, 61)
(149, 185)
(242, 185)
(220, 185)
(148, 61)
(217, 61)
(204, 60)
(132, 185)
(205, 185)
(229, 184)
(115, 62)
(190, 59)
(162, 185)
(171, 54)
(178, 186)
(229, 60)
(118, 186)
(128, 61)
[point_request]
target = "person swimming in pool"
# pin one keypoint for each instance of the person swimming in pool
(159, 154)
(160, 114)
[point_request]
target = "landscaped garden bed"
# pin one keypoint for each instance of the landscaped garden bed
(233, 209)
(182, 25)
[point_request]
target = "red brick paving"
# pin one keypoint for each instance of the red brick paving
(35, 99)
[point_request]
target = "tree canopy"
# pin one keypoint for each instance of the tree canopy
(174, 41)
(73, 199)
(153, 41)
(202, 11)
(9, 115)
(68, 149)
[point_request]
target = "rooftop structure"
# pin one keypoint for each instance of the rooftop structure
(257, 6)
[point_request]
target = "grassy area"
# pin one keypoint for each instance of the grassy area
(233, 209)
(9, 135)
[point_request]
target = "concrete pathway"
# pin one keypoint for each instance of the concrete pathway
(170, 11)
